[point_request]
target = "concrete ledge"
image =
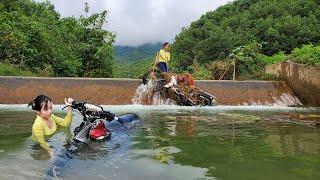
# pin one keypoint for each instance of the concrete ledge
(18, 90)
(304, 80)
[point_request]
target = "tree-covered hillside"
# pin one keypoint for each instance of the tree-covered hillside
(135, 69)
(278, 25)
(34, 38)
(131, 53)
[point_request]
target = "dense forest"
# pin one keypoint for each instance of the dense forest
(35, 39)
(274, 26)
(250, 34)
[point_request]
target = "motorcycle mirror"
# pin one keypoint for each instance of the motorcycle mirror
(65, 107)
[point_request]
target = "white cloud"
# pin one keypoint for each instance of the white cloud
(141, 21)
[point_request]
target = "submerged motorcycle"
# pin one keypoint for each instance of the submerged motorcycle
(92, 130)
(93, 125)
(176, 90)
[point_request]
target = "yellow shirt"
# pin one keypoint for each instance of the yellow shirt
(164, 56)
(40, 130)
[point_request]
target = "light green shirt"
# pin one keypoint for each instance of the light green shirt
(40, 130)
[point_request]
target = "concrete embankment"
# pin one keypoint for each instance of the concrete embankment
(21, 90)
(303, 80)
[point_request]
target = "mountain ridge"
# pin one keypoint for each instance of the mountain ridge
(134, 53)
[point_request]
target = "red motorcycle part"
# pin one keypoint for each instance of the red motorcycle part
(99, 132)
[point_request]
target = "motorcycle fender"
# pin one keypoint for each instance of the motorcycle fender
(82, 135)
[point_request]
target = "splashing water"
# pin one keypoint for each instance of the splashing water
(153, 94)
(149, 95)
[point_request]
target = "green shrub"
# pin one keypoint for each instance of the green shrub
(202, 73)
(280, 57)
(308, 54)
(10, 70)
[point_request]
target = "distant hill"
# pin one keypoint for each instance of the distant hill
(131, 53)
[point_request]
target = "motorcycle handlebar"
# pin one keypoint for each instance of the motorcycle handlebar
(93, 110)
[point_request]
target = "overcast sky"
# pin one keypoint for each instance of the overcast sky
(136, 22)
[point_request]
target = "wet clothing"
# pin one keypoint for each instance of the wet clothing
(40, 130)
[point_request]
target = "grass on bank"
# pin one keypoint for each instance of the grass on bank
(11, 70)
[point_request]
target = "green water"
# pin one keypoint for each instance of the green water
(175, 143)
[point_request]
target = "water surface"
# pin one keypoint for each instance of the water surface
(172, 142)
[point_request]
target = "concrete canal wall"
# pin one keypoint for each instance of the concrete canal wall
(21, 90)
(304, 80)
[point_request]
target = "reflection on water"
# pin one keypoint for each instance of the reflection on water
(172, 143)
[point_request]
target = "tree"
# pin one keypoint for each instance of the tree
(35, 38)
(278, 25)
(97, 52)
